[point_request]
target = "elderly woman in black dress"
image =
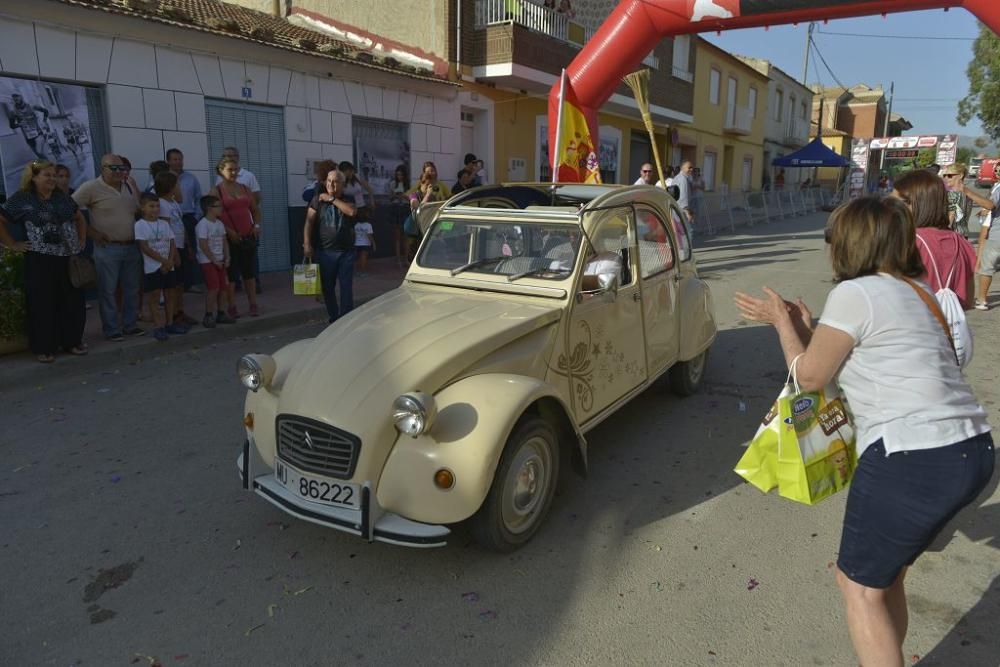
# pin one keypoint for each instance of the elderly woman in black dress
(55, 231)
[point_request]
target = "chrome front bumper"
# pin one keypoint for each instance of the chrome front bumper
(368, 523)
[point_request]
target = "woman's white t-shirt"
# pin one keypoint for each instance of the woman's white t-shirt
(355, 191)
(361, 232)
(901, 379)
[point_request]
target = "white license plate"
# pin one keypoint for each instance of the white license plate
(317, 489)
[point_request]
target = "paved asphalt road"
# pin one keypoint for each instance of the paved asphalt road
(126, 538)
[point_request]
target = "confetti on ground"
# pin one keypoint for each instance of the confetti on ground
(743, 406)
(103, 390)
(153, 662)
(657, 585)
(256, 627)
(115, 479)
(270, 610)
(288, 591)
(487, 615)
(470, 597)
(752, 584)
(239, 544)
(293, 555)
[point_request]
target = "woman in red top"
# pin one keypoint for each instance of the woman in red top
(949, 259)
(241, 216)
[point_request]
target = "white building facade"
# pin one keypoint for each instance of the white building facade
(152, 85)
(789, 105)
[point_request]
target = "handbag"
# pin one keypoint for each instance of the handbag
(82, 272)
(410, 227)
(305, 279)
(806, 447)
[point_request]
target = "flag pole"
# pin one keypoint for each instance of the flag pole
(556, 152)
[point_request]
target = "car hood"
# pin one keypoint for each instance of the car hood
(412, 338)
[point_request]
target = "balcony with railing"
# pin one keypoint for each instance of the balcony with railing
(796, 132)
(738, 120)
(529, 15)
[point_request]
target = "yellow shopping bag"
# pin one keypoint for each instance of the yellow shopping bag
(816, 445)
(305, 279)
(805, 445)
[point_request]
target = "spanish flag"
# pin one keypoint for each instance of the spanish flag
(576, 153)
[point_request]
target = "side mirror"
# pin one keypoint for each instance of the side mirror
(601, 275)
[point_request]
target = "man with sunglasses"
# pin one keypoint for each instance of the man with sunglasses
(647, 175)
(112, 205)
(959, 205)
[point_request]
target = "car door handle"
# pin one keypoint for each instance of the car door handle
(677, 277)
(636, 296)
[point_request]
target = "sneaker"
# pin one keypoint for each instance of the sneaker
(135, 331)
(982, 305)
(160, 334)
(222, 318)
(233, 313)
(176, 330)
(117, 337)
(209, 321)
(253, 310)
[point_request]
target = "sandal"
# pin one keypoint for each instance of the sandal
(79, 350)
(46, 358)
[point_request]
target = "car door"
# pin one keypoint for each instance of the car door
(605, 356)
(658, 274)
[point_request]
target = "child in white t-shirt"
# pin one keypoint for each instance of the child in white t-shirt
(167, 189)
(364, 239)
(213, 258)
(159, 257)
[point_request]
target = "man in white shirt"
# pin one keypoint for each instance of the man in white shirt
(246, 178)
(683, 182)
(647, 176)
(988, 247)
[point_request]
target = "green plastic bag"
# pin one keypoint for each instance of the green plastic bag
(759, 464)
(305, 279)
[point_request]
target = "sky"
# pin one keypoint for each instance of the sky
(929, 74)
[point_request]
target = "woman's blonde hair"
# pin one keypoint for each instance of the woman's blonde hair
(423, 171)
(34, 168)
(223, 162)
(872, 235)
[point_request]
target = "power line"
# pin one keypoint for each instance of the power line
(920, 37)
(827, 66)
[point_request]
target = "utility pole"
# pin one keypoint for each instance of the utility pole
(885, 126)
(805, 64)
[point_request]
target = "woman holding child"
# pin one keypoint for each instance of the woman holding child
(923, 443)
(55, 231)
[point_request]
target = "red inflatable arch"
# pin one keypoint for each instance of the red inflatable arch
(635, 26)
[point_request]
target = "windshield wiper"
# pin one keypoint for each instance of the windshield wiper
(532, 272)
(479, 262)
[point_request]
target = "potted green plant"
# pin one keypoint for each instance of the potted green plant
(13, 311)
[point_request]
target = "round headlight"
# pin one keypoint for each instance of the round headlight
(413, 413)
(250, 372)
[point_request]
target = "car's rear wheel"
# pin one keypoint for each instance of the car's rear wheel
(522, 488)
(686, 376)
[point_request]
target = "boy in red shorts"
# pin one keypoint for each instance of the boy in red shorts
(213, 257)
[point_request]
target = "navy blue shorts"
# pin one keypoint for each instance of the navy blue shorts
(898, 504)
(156, 281)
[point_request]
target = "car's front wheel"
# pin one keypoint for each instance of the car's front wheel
(686, 376)
(522, 488)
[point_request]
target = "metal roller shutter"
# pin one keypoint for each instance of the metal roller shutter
(259, 134)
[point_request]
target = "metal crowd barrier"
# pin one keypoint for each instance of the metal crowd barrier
(717, 210)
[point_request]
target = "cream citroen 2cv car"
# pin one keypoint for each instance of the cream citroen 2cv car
(531, 313)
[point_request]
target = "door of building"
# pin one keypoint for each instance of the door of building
(259, 133)
(639, 153)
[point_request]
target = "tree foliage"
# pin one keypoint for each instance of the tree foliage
(925, 158)
(964, 155)
(983, 100)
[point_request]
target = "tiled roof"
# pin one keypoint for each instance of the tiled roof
(228, 20)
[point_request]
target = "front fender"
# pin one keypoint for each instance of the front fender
(697, 312)
(475, 417)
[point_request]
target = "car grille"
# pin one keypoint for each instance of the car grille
(313, 446)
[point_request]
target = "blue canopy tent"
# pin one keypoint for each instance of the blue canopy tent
(813, 154)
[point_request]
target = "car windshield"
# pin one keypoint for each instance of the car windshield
(512, 249)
